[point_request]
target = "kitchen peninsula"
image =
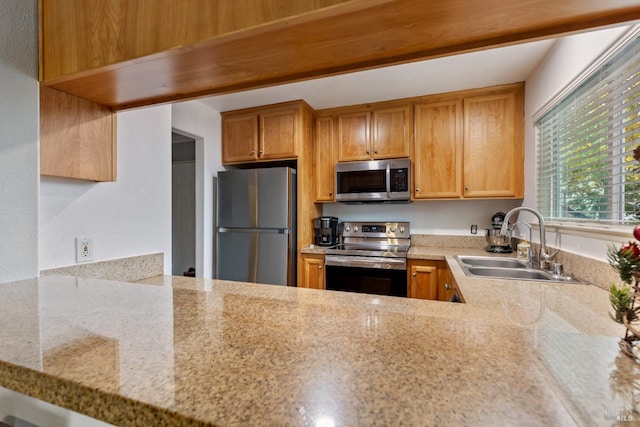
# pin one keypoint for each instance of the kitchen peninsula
(184, 351)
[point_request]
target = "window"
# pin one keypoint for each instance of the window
(586, 166)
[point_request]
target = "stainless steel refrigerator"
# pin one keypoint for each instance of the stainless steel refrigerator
(256, 226)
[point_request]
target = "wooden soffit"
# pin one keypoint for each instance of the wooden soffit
(354, 35)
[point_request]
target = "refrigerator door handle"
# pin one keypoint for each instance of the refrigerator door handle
(254, 230)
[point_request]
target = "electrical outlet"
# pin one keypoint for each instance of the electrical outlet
(84, 249)
(474, 229)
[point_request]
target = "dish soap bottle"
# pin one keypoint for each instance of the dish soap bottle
(524, 250)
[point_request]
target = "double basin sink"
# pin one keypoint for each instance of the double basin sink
(507, 268)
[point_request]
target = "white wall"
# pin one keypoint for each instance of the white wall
(19, 163)
(427, 217)
(567, 59)
(128, 217)
(195, 119)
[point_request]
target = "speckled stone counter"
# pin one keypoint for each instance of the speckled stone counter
(313, 250)
(184, 351)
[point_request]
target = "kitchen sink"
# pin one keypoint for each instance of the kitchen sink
(486, 261)
(509, 273)
(507, 268)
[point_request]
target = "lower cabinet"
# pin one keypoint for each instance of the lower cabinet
(313, 275)
(430, 279)
(422, 280)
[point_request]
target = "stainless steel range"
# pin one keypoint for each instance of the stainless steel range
(372, 258)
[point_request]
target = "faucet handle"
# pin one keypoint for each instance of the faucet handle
(545, 259)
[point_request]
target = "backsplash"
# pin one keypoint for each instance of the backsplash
(451, 241)
(596, 272)
(124, 269)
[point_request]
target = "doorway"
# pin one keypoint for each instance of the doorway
(183, 205)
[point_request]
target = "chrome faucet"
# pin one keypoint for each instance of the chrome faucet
(545, 257)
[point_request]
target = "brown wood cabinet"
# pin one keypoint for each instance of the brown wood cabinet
(438, 149)
(77, 137)
(261, 134)
(378, 133)
(447, 286)
(470, 144)
(430, 279)
(494, 143)
(422, 280)
(324, 167)
(313, 275)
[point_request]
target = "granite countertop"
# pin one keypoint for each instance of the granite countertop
(184, 351)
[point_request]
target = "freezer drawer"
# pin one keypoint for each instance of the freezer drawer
(255, 256)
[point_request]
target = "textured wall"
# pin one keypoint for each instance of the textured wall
(202, 123)
(18, 140)
(128, 217)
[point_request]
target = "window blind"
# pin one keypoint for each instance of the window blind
(586, 169)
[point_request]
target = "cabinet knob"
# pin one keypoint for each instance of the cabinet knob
(375, 151)
(367, 151)
(331, 193)
(447, 286)
(319, 267)
(417, 190)
(260, 152)
(253, 152)
(414, 274)
(466, 188)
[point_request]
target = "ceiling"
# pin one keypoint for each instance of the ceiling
(464, 71)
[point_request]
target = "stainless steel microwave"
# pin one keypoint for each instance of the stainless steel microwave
(374, 181)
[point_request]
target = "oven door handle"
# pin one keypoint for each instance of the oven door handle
(367, 262)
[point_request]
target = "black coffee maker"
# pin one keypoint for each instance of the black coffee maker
(325, 231)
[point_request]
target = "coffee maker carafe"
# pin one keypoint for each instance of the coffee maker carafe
(325, 231)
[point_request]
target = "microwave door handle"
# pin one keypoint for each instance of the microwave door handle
(388, 181)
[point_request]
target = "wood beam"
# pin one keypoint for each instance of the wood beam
(335, 40)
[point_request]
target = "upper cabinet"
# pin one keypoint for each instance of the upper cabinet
(239, 138)
(470, 144)
(77, 137)
(438, 148)
(324, 159)
(374, 133)
(494, 143)
(262, 134)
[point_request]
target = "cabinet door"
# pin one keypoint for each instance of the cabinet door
(313, 272)
(391, 132)
(493, 145)
(422, 282)
(277, 134)
(353, 136)
(239, 138)
(324, 160)
(447, 286)
(438, 149)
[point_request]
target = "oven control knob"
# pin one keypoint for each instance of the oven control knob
(355, 228)
(402, 228)
(392, 228)
(347, 228)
